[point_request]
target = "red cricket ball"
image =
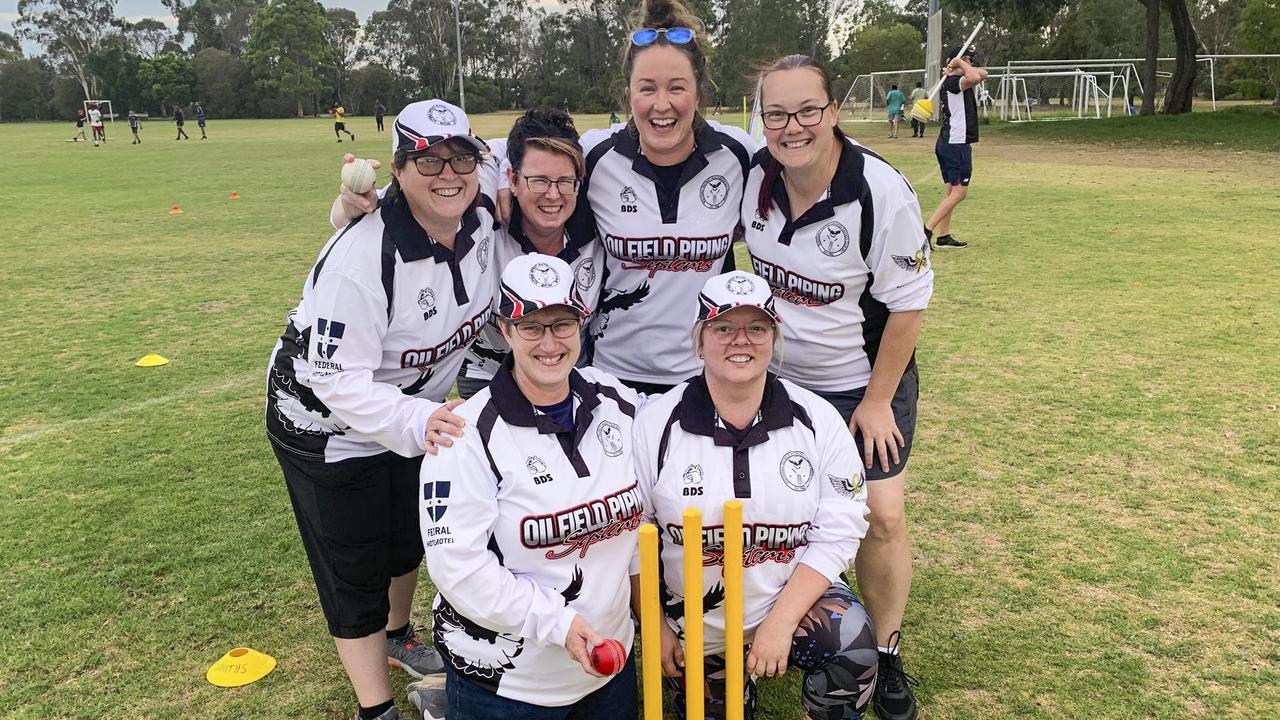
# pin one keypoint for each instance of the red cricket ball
(608, 657)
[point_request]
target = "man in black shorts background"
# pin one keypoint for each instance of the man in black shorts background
(954, 147)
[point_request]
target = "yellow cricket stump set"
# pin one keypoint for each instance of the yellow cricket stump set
(651, 616)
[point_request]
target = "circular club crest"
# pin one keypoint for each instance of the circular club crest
(610, 437)
(441, 115)
(739, 285)
(426, 299)
(535, 465)
(543, 275)
(833, 239)
(585, 275)
(693, 475)
(796, 470)
(482, 255)
(714, 192)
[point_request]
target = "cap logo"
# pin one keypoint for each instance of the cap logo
(544, 276)
(833, 239)
(739, 285)
(441, 115)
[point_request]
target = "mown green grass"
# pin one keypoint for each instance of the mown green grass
(1094, 493)
(1251, 128)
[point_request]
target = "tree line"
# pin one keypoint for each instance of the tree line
(281, 58)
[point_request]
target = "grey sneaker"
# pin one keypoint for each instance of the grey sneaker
(392, 714)
(413, 656)
(428, 696)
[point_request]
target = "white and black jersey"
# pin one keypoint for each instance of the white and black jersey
(385, 318)
(527, 524)
(581, 251)
(959, 113)
(840, 268)
(95, 117)
(663, 235)
(796, 471)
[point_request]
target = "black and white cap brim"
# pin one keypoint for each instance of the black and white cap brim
(535, 282)
(736, 289)
(431, 122)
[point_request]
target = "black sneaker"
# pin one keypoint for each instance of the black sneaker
(893, 697)
(946, 241)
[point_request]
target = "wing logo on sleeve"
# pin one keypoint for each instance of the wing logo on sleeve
(833, 239)
(796, 470)
(714, 192)
(917, 263)
(328, 333)
(610, 437)
(847, 487)
(435, 498)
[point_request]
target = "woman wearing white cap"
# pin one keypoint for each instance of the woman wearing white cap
(529, 521)
(357, 383)
(738, 431)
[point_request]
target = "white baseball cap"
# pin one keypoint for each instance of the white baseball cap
(429, 122)
(533, 282)
(723, 293)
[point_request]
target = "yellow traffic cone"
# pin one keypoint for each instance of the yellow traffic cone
(240, 666)
(152, 360)
(234, 196)
(175, 210)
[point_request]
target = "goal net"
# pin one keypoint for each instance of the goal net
(104, 107)
(865, 100)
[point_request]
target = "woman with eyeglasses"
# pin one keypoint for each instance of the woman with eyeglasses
(529, 521)
(836, 232)
(357, 383)
(545, 173)
(736, 430)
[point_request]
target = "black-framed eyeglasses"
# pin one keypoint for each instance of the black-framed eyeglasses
(541, 184)
(432, 165)
(806, 116)
(648, 36)
(533, 331)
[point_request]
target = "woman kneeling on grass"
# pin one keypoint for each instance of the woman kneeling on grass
(357, 381)
(529, 521)
(738, 431)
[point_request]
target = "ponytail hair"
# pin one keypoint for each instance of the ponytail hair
(659, 14)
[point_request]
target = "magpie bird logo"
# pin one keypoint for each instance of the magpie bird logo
(833, 239)
(543, 275)
(585, 275)
(714, 192)
(739, 285)
(610, 437)
(441, 115)
(917, 263)
(796, 470)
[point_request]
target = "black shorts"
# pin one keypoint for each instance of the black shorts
(904, 403)
(955, 160)
(339, 126)
(359, 524)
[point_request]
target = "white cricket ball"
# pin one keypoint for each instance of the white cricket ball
(358, 176)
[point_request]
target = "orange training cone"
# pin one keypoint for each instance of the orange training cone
(234, 196)
(175, 210)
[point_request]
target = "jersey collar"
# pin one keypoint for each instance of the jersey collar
(414, 243)
(705, 141)
(698, 413)
(846, 187)
(578, 231)
(515, 409)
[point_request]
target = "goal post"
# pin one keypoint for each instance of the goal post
(104, 107)
(865, 100)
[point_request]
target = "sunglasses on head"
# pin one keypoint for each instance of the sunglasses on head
(648, 36)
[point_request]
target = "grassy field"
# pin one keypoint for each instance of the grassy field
(1094, 494)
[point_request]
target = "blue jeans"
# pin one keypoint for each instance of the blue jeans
(617, 700)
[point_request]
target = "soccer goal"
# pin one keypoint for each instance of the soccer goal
(865, 100)
(104, 107)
